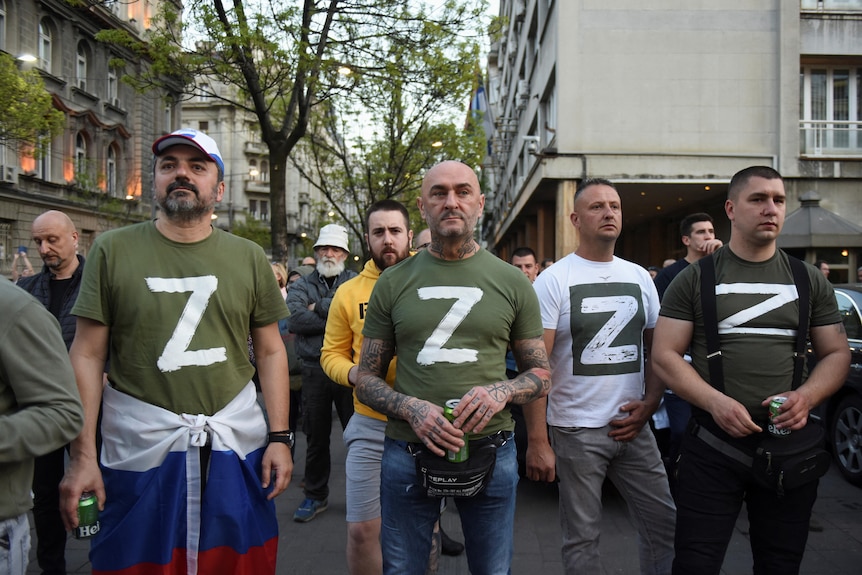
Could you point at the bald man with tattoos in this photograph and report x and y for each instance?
(450, 311)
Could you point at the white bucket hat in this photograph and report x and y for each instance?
(332, 235)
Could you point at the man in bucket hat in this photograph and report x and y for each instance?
(309, 300)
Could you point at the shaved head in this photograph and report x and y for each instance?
(56, 238)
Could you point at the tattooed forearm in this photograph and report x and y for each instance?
(530, 353)
(371, 388)
(530, 385)
(535, 381)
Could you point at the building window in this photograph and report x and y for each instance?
(203, 126)
(43, 163)
(45, 45)
(204, 93)
(831, 111)
(112, 88)
(80, 156)
(111, 173)
(81, 66)
(264, 171)
(252, 208)
(2, 24)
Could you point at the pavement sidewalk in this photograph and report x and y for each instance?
(317, 547)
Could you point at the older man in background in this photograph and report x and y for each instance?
(309, 300)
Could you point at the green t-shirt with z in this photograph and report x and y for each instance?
(758, 313)
(179, 313)
(451, 322)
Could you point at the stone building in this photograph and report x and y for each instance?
(99, 169)
(669, 99)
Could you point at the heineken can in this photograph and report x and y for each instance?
(88, 516)
(774, 406)
(464, 453)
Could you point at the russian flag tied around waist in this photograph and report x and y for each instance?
(155, 521)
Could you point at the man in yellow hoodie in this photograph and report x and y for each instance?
(389, 239)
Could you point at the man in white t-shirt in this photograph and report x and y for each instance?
(598, 313)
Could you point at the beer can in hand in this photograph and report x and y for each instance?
(774, 407)
(464, 453)
(88, 516)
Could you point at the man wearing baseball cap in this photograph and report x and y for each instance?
(309, 300)
(188, 467)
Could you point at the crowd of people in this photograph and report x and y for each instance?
(162, 374)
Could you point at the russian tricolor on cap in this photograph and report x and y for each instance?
(187, 136)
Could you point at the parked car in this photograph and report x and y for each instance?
(842, 413)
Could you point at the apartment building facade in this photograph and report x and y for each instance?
(99, 169)
(669, 99)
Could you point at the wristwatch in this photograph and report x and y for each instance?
(287, 436)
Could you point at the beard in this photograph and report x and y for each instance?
(329, 267)
(186, 208)
(382, 262)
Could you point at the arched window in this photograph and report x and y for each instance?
(81, 66)
(264, 171)
(111, 173)
(80, 155)
(253, 172)
(46, 44)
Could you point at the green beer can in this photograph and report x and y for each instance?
(88, 516)
(464, 453)
(774, 407)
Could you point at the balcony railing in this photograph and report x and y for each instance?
(830, 138)
(832, 5)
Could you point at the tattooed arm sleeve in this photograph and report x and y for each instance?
(371, 388)
(535, 379)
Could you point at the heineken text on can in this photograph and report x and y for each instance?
(88, 516)
(774, 406)
(464, 453)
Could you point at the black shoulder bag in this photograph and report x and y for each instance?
(443, 478)
(779, 463)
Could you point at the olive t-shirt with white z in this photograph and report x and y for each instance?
(758, 313)
(179, 313)
(451, 322)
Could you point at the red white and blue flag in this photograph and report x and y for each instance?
(155, 521)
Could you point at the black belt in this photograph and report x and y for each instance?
(719, 444)
(498, 439)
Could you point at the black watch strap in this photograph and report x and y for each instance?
(287, 436)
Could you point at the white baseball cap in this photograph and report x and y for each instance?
(332, 235)
(188, 136)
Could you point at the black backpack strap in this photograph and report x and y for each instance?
(710, 322)
(803, 290)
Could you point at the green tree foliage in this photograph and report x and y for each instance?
(286, 62)
(402, 101)
(27, 112)
(255, 231)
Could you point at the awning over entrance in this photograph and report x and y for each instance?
(814, 227)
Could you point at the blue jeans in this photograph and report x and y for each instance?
(487, 519)
(585, 456)
(14, 545)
